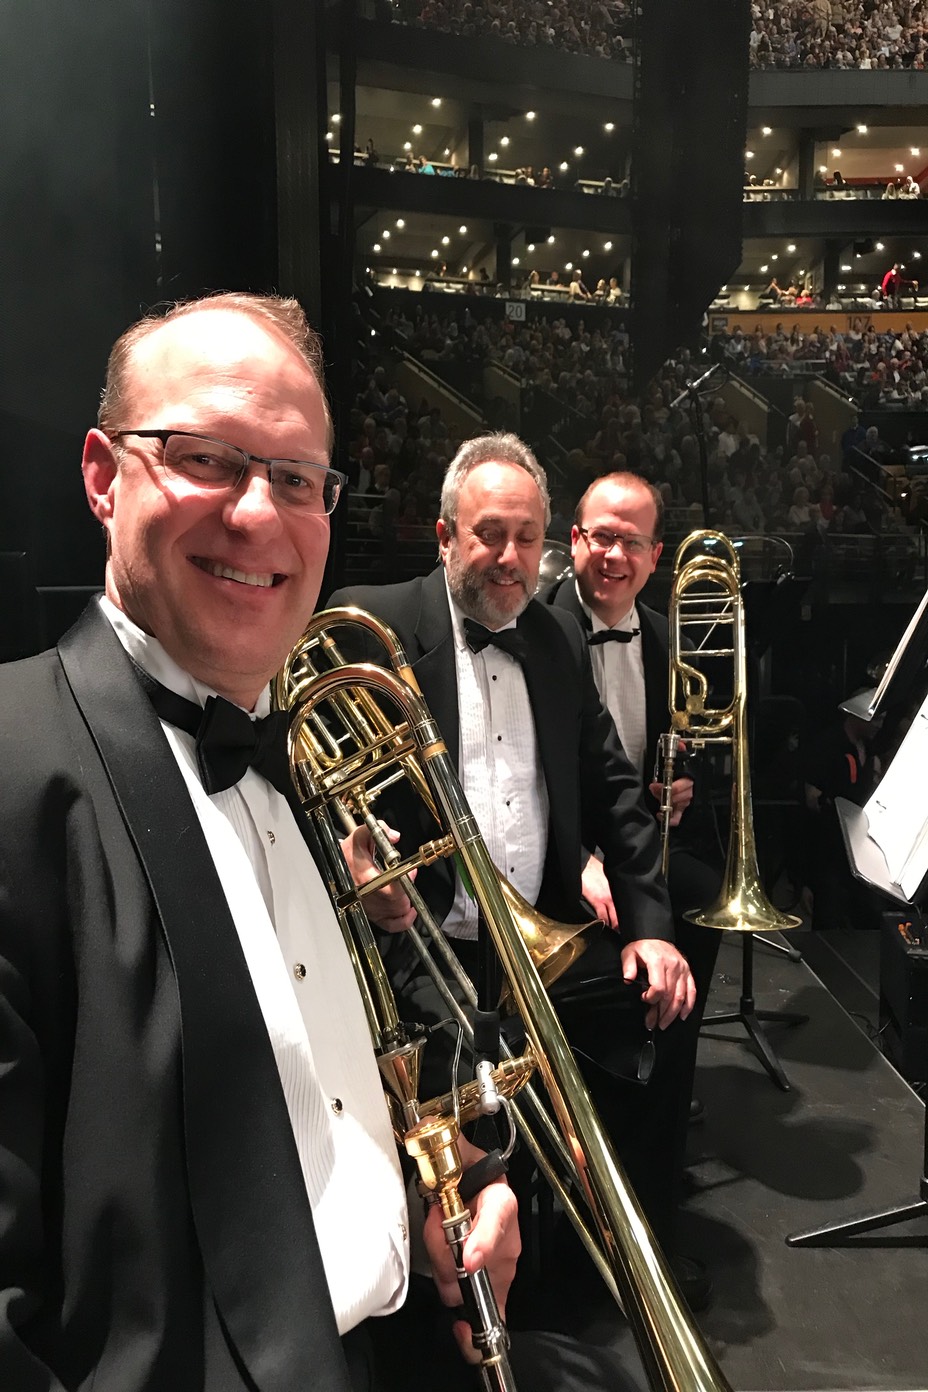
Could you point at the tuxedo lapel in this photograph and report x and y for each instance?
(435, 667)
(654, 659)
(543, 672)
(258, 1244)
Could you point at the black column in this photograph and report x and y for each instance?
(502, 231)
(475, 132)
(805, 175)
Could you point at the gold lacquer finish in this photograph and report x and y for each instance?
(585, 1171)
(706, 596)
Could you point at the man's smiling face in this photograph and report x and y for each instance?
(610, 580)
(226, 581)
(492, 556)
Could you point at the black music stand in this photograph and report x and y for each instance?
(869, 865)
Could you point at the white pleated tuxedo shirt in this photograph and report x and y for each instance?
(618, 669)
(500, 769)
(307, 993)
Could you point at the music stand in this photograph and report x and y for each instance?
(868, 864)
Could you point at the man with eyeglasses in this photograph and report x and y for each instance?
(616, 544)
(199, 1185)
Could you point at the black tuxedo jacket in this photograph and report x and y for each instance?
(154, 1227)
(655, 650)
(594, 794)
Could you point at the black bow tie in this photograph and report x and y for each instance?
(510, 640)
(612, 635)
(229, 742)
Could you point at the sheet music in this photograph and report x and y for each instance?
(896, 810)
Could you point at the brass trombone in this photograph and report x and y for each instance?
(705, 595)
(342, 773)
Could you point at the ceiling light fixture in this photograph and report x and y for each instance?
(436, 101)
(791, 246)
(462, 229)
(335, 118)
(445, 240)
(530, 247)
(504, 140)
(563, 166)
(529, 115)
(417, 129)
(861, 130)
(492, 156)
(880, 246)
(400, 222)
(607, 246)
(766, 130)
(376, 246)
(609, 127)
(578, 150)
(551, 240)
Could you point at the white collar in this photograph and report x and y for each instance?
(624, 625)
(149, 654)
(458, 616)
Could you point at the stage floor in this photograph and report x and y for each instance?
(847, 1139)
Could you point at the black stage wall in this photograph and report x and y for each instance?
(149, 152)
(689, 125)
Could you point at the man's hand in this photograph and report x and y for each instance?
(671, 988)
(388, 908)
(681, 795)
(494, 1242)
(596, 891)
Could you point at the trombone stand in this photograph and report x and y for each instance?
(749, 1016)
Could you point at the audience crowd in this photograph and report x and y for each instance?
(576, 390)
(876, 367)
(784, 33)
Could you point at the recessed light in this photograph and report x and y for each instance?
(823, 169)
(385, 234)
(607, 246)
(530, 247)
(764, 268)
(551, 240)
(445, 241)
(914, 150)
(916, 256)
(775, 256)
(609, 127)
(504, 140)
(529, 115)
(417, 129)
(861, 130)
(749, 154)
(492, 156)
(434, 253)
(563, 166)
(328, 135)
(847, 268)
(462, 229)
(791, 246)
(899, 169)
(778, 170)
(585, 252)
(407, 145)
(515, 260)
(436, 101)
(836, 154)
(578, 150)
(335, 118)
(401, 222)
(376, 246)
(880, 246)
(393, 272)
(766, 130)
(447, 152)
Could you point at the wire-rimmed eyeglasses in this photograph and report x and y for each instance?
(215, 464)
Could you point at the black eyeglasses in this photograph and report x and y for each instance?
(214, 464)
(632, 543)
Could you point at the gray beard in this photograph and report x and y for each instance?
(469, 595)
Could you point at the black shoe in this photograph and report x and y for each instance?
(694, 1281)
(697, 1111)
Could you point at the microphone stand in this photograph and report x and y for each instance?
(691, 393)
